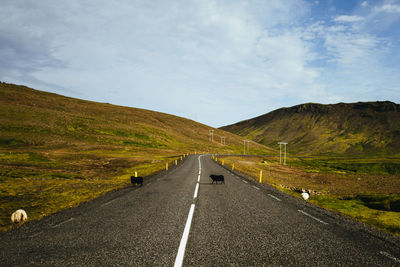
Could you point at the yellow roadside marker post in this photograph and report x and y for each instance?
(222, 162)
(135, 174)
(233, 166)
(166, 166)
(260, 176)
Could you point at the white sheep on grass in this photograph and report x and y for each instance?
(305, 195)
(19, 216)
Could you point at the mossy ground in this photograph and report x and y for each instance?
(44, 183)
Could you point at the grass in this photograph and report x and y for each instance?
(56, 152)
(43, 185)
(376, 211)
(371, 165)
(366, 189)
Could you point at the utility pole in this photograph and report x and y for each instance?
(280, 152)
(244, 146)
(222, 140)
(212, 135)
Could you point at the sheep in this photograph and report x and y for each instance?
(137, 180)
(305, 195)
(19, 216)
(216, 178)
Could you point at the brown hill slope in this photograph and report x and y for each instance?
(32, 119)
(356, 128)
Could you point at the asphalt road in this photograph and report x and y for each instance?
(179, 217)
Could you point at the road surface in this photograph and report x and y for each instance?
(181, 218)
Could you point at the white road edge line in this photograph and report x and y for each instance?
(185, 236)
(315, 218)
(256, 187)
(196, 190)
(61, 223)
(36, 234)
(274, 197)
(198, 178)
(105, 204)
(387, 254)
(244, 181)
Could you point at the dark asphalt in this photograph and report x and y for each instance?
(235, 223)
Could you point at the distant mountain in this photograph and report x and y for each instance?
(356, 128)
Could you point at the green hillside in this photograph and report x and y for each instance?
(364, 128)
(56, 151)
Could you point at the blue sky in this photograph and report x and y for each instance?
(216, 62)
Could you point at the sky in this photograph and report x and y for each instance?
(217, 62)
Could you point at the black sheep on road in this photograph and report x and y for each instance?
(137, 180)
(217, 178)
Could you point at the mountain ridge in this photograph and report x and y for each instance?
(342, 128)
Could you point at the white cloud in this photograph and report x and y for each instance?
(220, 61)
(346, 18)
(353, 49)
(137, 53)
(364, 4)
(391, 8)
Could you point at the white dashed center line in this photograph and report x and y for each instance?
(196, 190)
(185, 236)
